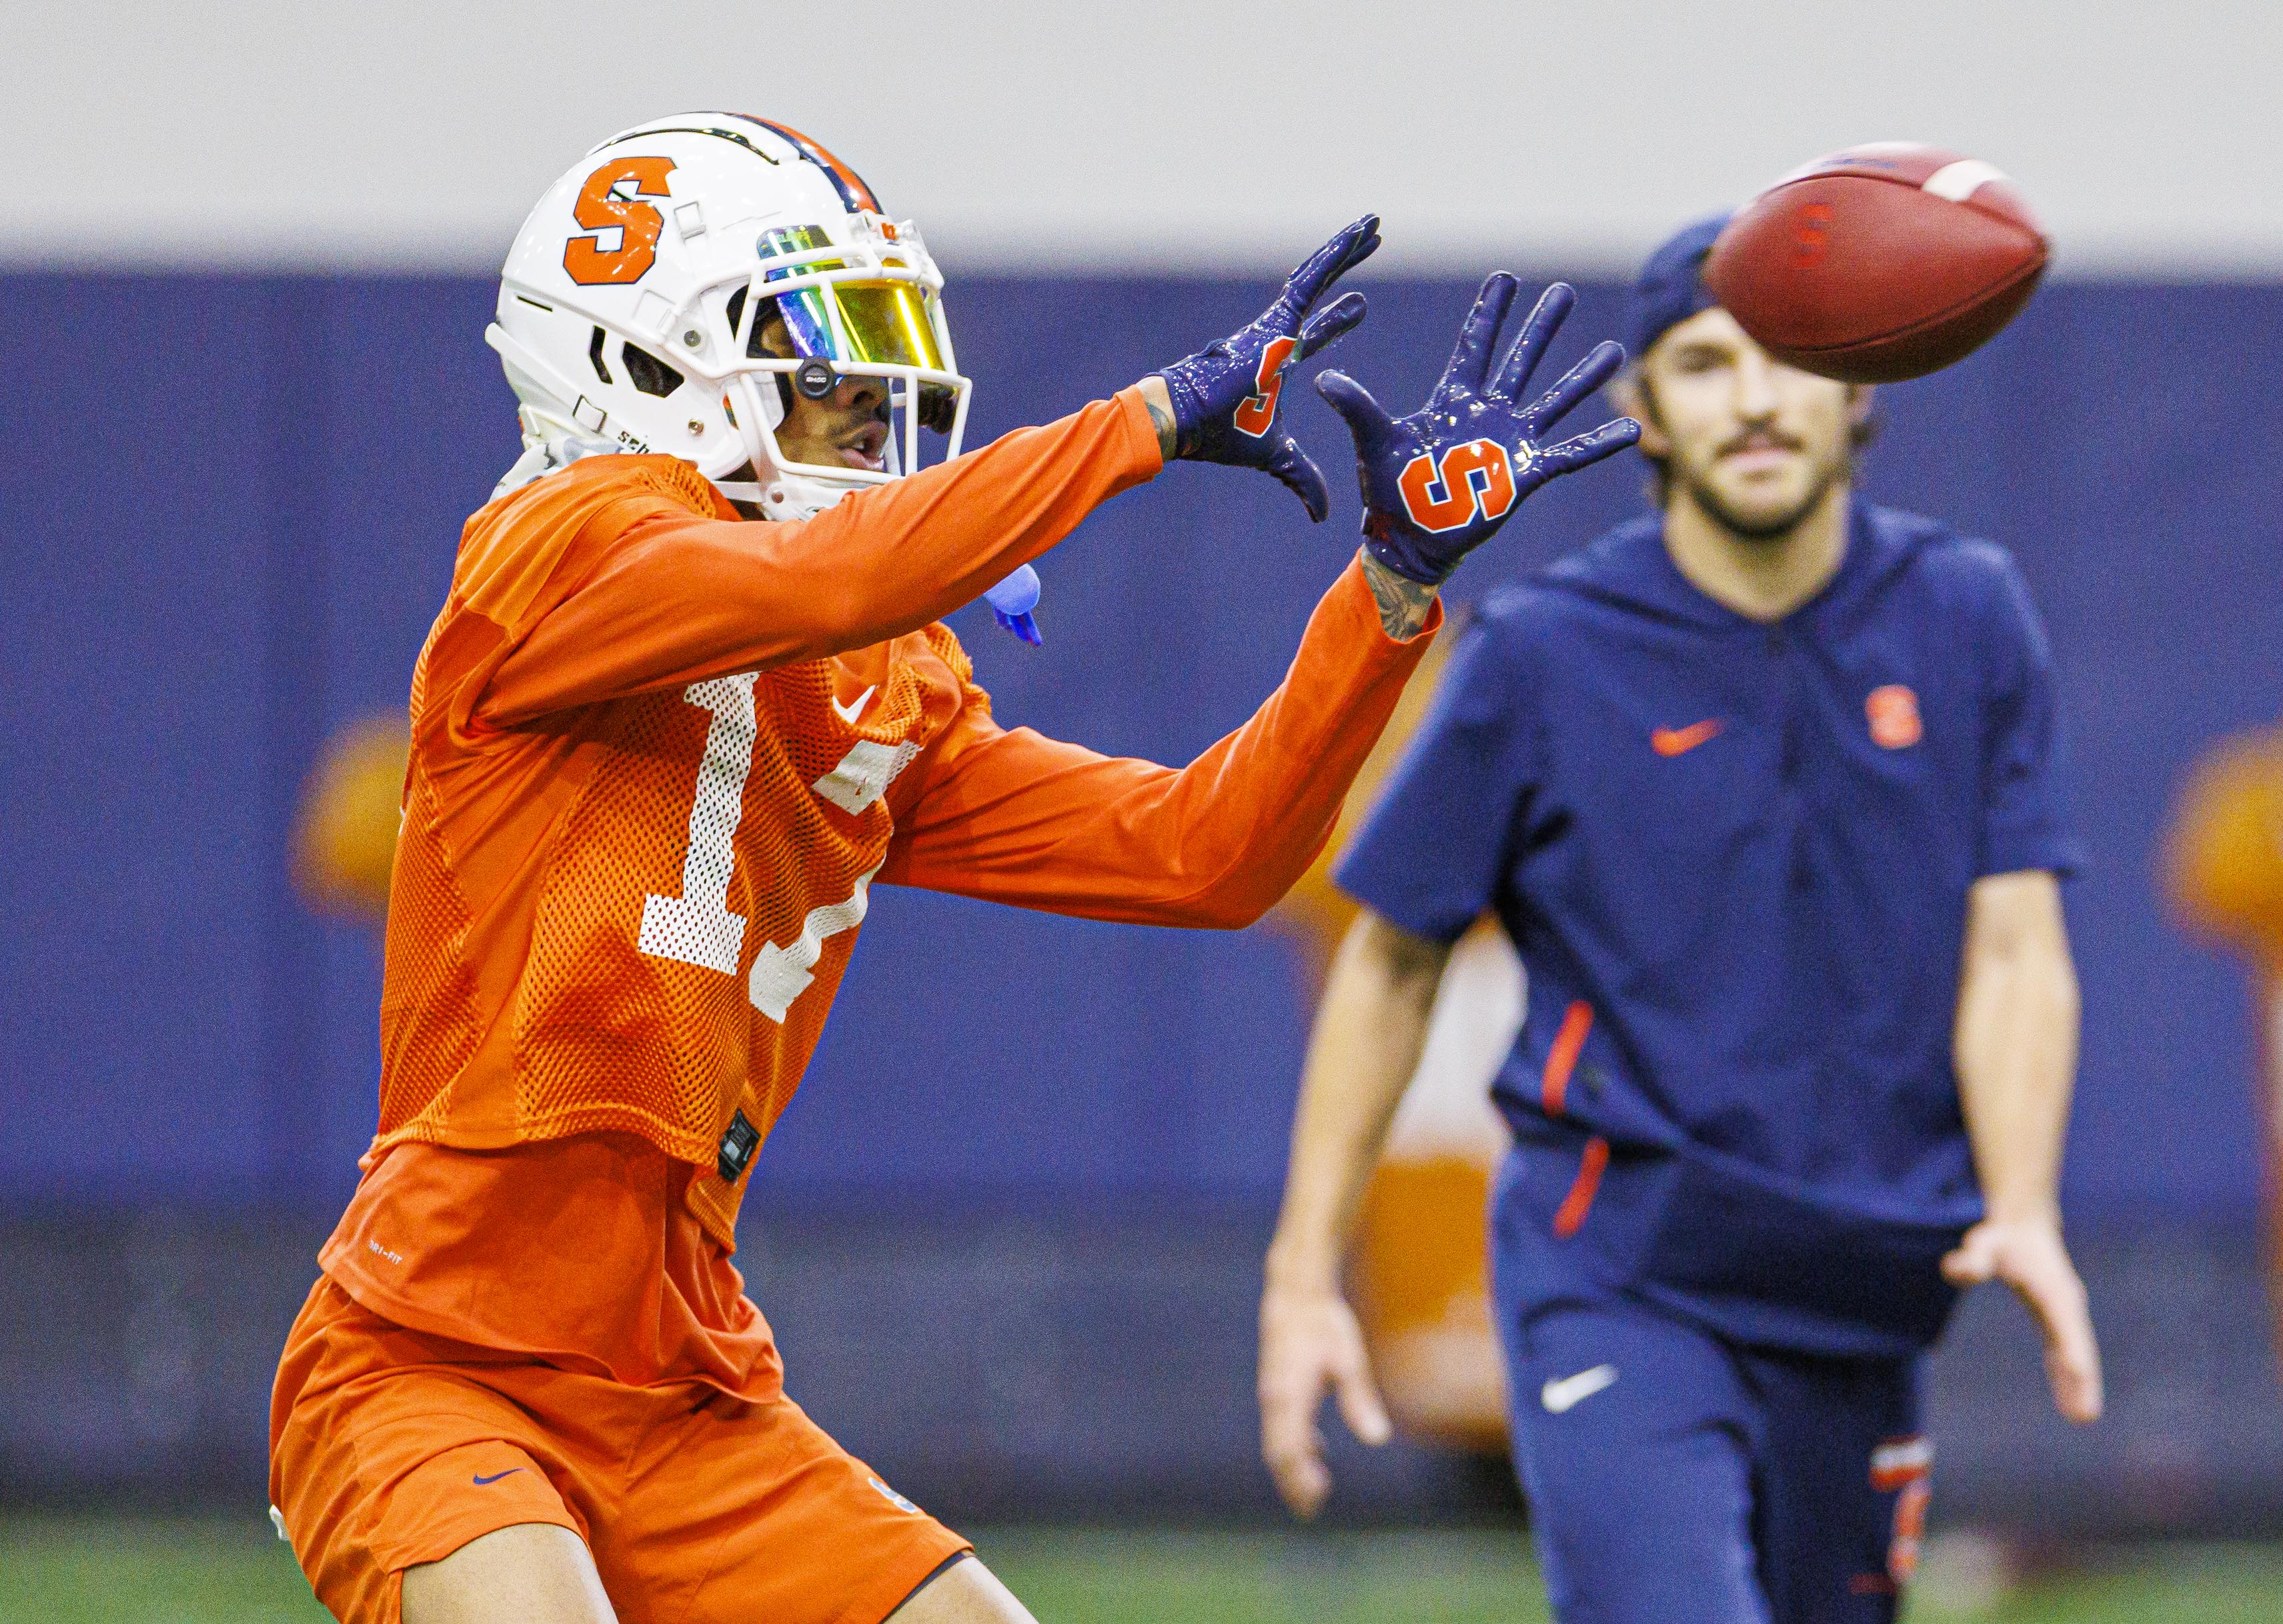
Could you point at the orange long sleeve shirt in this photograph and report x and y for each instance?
(658, 756)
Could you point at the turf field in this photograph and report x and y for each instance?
(90, 1571)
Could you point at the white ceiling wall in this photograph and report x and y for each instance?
(1179, 134)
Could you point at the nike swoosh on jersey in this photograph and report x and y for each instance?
(849, 713)
(497, 1476)
(1679, 741)
(1566, 1393)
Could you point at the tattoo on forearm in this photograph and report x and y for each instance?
(1163, 422)
(1403, 604)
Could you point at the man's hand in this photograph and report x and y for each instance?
(1438, 483)
(1309, 1341)
(2028, 1256)
(2014, 1051)
(1371, 1029)
(1227, 400)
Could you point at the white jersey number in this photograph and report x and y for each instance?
(696, 927)
(782, 974)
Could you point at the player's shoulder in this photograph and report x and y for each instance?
(535, 520)
(1949, 572)
(1945, 553)
(534, 499)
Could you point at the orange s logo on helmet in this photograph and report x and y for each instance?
(1893, 712)
(1474, 478)
(1259, 409)
(600, 209)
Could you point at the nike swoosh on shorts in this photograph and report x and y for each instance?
(1567, 1391)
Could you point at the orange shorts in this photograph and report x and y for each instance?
(389, 1448)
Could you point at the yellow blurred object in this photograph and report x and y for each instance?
(2223, 872)
(1420, 1279)
(344, 839)
(2224, 857)
(1421, 1285)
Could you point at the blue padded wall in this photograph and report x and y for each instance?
(228, 511)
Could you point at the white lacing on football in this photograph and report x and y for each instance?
(1961, 180)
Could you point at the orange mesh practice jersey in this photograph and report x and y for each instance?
(650, 747)
(660, 755)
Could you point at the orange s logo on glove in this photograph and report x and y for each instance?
(1258, 414)
(601, 208)
(1475, 478)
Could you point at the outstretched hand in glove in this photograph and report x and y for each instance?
(1226, 400)
(1437, 484)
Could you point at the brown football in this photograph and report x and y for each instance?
(1879, 263)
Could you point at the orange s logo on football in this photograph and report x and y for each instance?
(602, 209)
(1258, 410)
(1893, 712)
(1474, 478)
(1811, 236)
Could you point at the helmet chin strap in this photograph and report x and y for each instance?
(787, 498)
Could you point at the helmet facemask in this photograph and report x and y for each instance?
(867, 308)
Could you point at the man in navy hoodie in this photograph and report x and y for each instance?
(1765, 788)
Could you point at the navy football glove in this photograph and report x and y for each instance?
(1227, 396)
(1438, 483)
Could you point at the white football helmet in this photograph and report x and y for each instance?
(630, 307)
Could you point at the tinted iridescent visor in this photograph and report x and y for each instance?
(884, 323)
(856, 321)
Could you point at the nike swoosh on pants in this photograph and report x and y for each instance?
(1567, 1391)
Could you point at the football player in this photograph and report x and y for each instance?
(1765, 788)
(659, 755)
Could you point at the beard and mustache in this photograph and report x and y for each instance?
(1761, 525)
